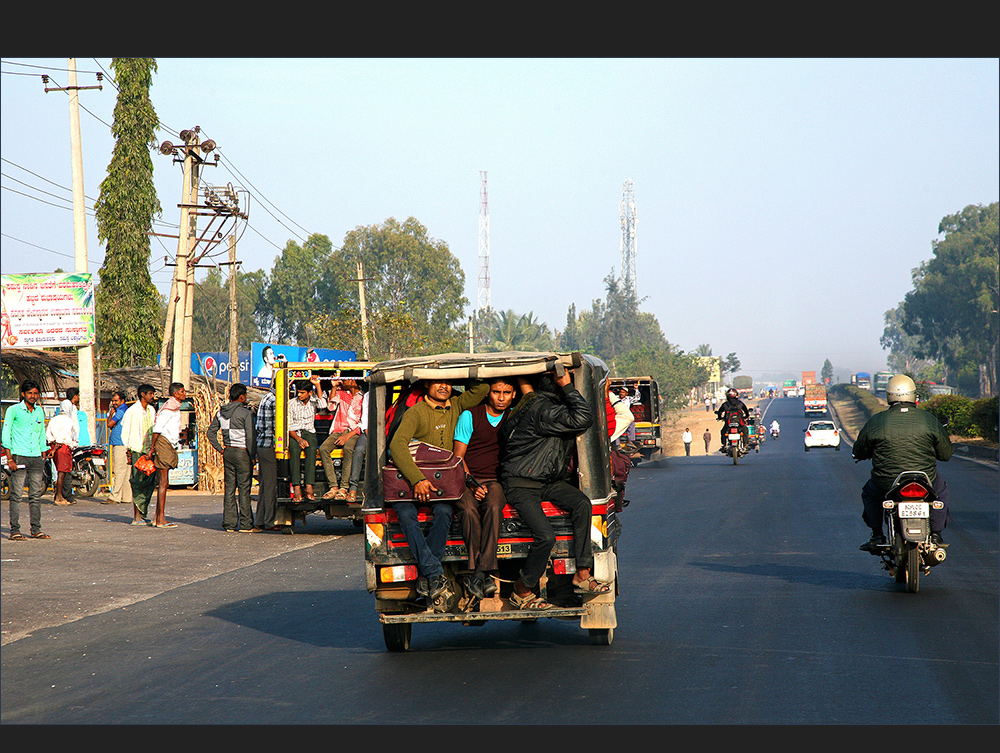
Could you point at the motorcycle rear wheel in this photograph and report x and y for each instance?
(913, 563)
(90, 482)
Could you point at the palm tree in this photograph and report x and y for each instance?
(510, 331)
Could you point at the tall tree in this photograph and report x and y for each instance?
(127, 305)
(414, 289)
(300, 288)
(954, 307)
(827, 371)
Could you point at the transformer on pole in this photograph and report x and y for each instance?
(628, 218)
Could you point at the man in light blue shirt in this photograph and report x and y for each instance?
(25, 451)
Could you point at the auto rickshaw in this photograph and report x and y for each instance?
(289, 510)
(391, 571)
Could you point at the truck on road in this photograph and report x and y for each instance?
(743, 384)
(814, 401)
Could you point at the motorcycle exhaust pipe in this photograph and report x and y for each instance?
(935, 557)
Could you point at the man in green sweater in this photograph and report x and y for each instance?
(901, 438)
(432, 420)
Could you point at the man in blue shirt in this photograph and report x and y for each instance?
(25, 451)
(121, 471)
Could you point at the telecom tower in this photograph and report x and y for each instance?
(627, 212)
(484, 250)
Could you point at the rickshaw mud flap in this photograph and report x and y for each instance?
(511, 614)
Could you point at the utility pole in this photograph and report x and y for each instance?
(628, 245)
(364, 308)
(85, 353)
(181, 294)
(234, 357)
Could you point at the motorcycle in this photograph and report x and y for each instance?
(90, 469)
(735, 446)
(909, 551)
(775, 432)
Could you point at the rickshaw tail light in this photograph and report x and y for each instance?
(397, 573)
(564, 567)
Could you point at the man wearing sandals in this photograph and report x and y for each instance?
(537, 442)
(345, 401)
(238, 449)
(25, 451)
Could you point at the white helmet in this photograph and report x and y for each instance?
(900, 389)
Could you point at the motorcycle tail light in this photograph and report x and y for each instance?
(912, 491)
(97, 451)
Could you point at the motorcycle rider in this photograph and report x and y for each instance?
(901, 438)
(732, 404)
(775, 428)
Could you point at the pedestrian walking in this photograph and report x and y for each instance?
(707, 436)
(26, 451)
(687, 438)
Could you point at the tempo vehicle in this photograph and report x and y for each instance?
(286, 374)
(390, 568)
(646, 409)
(822, 434)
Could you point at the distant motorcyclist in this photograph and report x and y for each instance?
(775, 428)
(732, 405)
(901, 438)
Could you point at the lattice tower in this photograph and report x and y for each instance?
(485, 304)
(628, 218)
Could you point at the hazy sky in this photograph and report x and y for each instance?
(781, 204)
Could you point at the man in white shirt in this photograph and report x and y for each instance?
(165, 441)
(137, 436)
(62, 434)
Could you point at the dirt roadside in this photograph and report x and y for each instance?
(672, 428)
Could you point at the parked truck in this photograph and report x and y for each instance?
(814, 401)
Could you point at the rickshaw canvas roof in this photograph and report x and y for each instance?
(458, 366)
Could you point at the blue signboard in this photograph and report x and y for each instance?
(217, 365)
(263, 356)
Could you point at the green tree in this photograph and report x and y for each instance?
(414, 289)
(676, 373)
(510, 331)
(210, 326)
(954, 308)
(827, 371)
(127, 305)
(301, 287)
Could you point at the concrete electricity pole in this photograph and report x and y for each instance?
(85, 354)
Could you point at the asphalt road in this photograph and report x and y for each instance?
(744, 600)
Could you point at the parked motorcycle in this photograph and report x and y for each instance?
(909, 551)
(90, 469)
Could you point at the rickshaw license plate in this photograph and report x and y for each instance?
(914, 510)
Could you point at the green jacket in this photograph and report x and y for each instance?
(435, 426)
(902, 438)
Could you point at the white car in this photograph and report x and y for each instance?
(822, 434)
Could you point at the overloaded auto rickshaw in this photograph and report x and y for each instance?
(644, 394)
(390, 568)
(286, 375)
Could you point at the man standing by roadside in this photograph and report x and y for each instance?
(432, 420)
(61, 434)
(238, 448)
(121, 491)
(267, 464)
(137, 436)
(165, 441)
(537, 443)
(25, 451)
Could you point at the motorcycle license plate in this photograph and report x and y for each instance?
(914, 510)
(734, 437)
(98, 461)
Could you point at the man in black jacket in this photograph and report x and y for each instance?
(239, 449)
(733, 404)
(536, 443)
